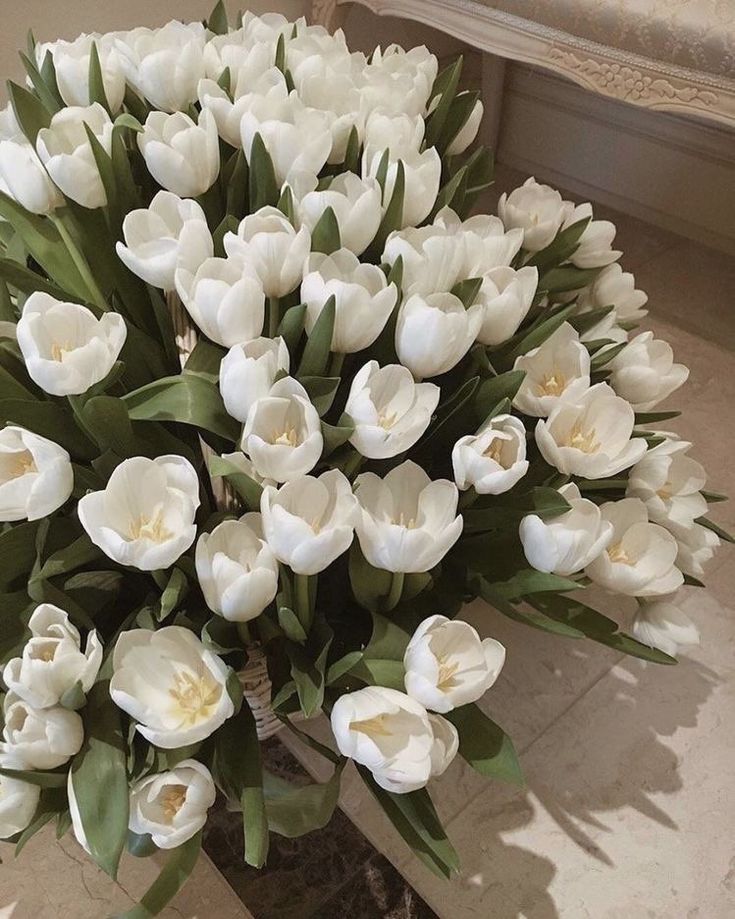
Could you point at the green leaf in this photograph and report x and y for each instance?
(604, 357)
(530, 617)
(238, 771)
(369, 585)
(467, 290)
(36, 777)
(188, 399)
(583, 322)
(78, 553)
(529, 581)
(342, 666)
(49, 419)
(293, 812)
(336, 435)
(485, 745)
(262, 178)
(96, 83)
(106, 419)
(221, 636)
(44, 83)
(30, 112)
(173, 876)
(325, 236)
(322, 391)
(559, 280)
(174, 592)
(205, 359)
(393, 216)
(715, 528)
(237, 187)
(17, 551)
(228, 224)
(653, 417)
(352, 151)
(248, 489)
(540, 331)
(217, 21)
(289, 622)
(564, 244)
(494, 390)
(319, 344)
(459, 113)
(74, 698)
(292, 326)
(436, 121)
(308, 666)
(27, 281)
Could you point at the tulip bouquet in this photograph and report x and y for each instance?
(271, 400)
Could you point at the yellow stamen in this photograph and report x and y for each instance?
(553, 384)
(287, 438)
(59, 352)
(618, 554)
(172, 800)
(387, 421)
(22, 464)
(371, 727)
(150, 528)
(586, 441)
(446, 674)
(195, 696)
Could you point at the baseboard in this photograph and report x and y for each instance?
(671, 171)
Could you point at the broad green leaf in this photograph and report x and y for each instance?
(564, 244)
(321, 390)
(527, 616)
(248, 489)
(716, 529)
(237, 187)
(96, 83)
(36, 777)
(27, 281)
(292, 327)
(495, 389)
(583, 322)
(369, 585)
(529, 581)
(559, 280)
(262, 177)
(46, 89)
(393, 216)
(74, 698)
(450, 421)
(436, 121)
(540, 331)
(459, 113)
(30, 112)
(176, 589)
(467, 290)
(205, 359)
(17, 551)
(174, 874)
(325, 236)
(319, 344)
(188, 399)
(485, 746)
(352, 151)
(336, 435)
(217, 21)
(289, 622)
(308, 666)
(295, 811)
(78, 553)
(106, 419)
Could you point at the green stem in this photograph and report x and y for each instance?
(395, 592)
(243, 630)
(335, 364)
(353, 464)
(467, 498)
(274, 316)
(81, 263)
(303, 602)
(161, 578)
(211, 204)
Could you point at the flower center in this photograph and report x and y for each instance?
(172, 800)
(195, 697)
(43, 651)
(386, 421)
(401, 521)
(288, 438)
(371, 727)
(553, 384)
(618, 554)
(151, 528)
(59, 352)
(586, 441)
(446, 674)
(21, 464)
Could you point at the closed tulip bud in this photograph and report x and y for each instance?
(468, 132)
(434, 333)
(590, 436)
(484, 241)
(248, 371)
(283, 434)
(52, 661)
(309, 522)
(569, 542)
(18, 799)
(669, 483)
(640, 559)
(661, 624)
(164, 65)
(615, 287)
(356, 204)
(557, 370)
(71, 63)
(170, 685)
(696, 545)
(226, 304)
(43, 738)
(400, 81)
(505, 296)
(594, 249)
(422, 177)
(36, 475)
(65, 151)
(493, 460)
(65, 347)
(389, 410)
(21, 172)
(536, 209)
(363, 298)
(171, 232)
(389, 733)
(250, 89)
(181, 155)
(407, 522)
(399, 133)
(236, 569)
(144, 517)
(433, 258)
(172, 806)
(272, 249)
(644, 372)
(448, 665)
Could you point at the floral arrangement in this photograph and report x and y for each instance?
(271, 401)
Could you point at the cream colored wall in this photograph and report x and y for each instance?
(52, 19)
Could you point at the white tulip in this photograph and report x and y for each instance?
(434, 333)
(363, 298)
(71, 63)
(64, 149)
(557, 370)
(407, 522)
(18, 799)
(661, 624)
(590, 436)
(269, 245)
(536, 209)
(331, 86)
(297, 138)
(251, 85)
(594, 249)
(669, 483)
(66, 349)
(43, 738)
(615, 287)
(434, 260)
(144, 517)
(164, 65)
(52, 660)
(248, 371)
(399, 133)
(227, 304)
(390, 411)
(569, 542)
(696, 545)
(446, 744)
(468, 132)
(505, 296)
(169, 233)
(644, 372)
(181, 155)
(448, 665)
(171, 685)
(640, 559)
(36, 475)
(400, 81)
(493, 460)
(172, 806)
(309, 522)
(21, 173)
(236, 569)
(484, 240)
(356, 204)
(422, 177)
(389, 733)
(282, 434)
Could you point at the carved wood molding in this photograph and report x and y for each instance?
(618, 74)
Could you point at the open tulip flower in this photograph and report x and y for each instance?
(276, 402)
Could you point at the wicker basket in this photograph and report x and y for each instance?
(256, 684)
